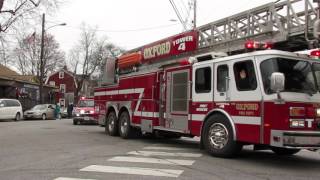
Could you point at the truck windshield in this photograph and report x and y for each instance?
(86, 103)
(298, 75)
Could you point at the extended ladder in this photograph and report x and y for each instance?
(287, 24)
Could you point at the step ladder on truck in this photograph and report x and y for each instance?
(232, 82)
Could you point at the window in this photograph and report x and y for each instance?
(86, 103)
(298, 75)
(61, 75)
(62, 103)
(203, 80)
(222, 75)
(2, 103)
(52, 83)
(62, 88)
(12, 103)
(245, 76)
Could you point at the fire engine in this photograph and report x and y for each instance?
(212, 82)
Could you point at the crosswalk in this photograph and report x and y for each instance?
(155, 160)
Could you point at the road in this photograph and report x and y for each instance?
(58, 150)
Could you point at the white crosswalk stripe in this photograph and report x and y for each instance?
(134, 170)
(158, 153)
(66, 178)
(163, 148)
(152, 160)
(155, 154)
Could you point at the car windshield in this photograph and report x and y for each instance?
(298, 75)
(39, 107)
(86, 103)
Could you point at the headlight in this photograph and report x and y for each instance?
(81, 111)
(297, 123)
(91, 112)
(77, 114)
(318, 112)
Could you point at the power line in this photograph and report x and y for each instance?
(127, 30)
(178, 14)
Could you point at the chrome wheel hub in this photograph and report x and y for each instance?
(218, 136)
(111, 124)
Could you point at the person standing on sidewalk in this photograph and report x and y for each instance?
(57, 111)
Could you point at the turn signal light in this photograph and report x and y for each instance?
(297, 111)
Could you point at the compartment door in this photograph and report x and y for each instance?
(177, 99)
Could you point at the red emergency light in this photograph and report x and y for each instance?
(253, 45)
(315, 53)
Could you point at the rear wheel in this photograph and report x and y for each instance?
(218, 137)
(125, 129)
(111, 125)
(18, 117)
(284, 151)
(44, 116)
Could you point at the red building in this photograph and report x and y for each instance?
(66, 82)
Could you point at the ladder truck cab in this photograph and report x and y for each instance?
(267, 98)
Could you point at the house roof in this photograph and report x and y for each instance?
(7, 72)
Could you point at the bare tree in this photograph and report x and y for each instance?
(12, 11)
(88, 56)
(27, 54)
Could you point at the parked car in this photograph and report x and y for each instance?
(84, 112)
(40, 111)
(10, 109)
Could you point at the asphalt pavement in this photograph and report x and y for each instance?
(58, 150)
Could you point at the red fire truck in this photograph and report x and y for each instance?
(267, 98)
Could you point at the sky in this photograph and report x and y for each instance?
(130, 24)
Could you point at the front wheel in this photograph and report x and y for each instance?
(284, 151)
(111, 125)
(18, 117)
(218, 137)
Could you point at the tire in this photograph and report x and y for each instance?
(218, 137)
(18, 117)
(125, 129)
(284, 151)
(111, 125)
(44, 117)
(75, 122)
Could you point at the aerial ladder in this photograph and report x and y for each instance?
(288, 24)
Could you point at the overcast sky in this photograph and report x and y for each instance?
(131, 24)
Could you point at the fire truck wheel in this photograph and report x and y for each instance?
(111, 127)
(284, 151)
(218, 137)
(125, 129)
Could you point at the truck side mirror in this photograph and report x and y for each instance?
(277, 83)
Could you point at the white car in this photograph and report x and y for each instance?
(10, 109)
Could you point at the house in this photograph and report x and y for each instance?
(65, 81)
(23, 88)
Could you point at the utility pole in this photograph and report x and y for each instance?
(41, 58)
(195, 14)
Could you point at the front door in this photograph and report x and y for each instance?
(177, 99)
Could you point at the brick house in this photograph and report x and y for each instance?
(66, 82)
